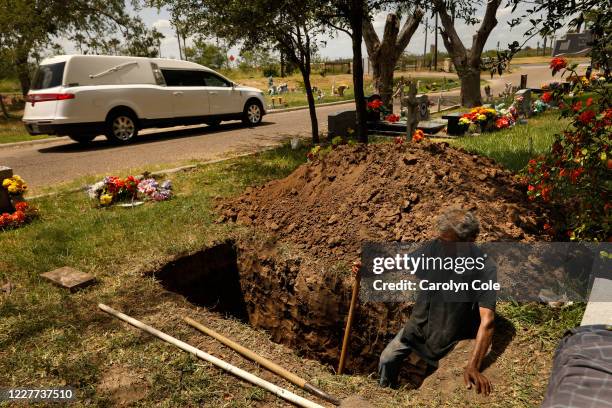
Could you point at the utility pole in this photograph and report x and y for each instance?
(436, 45)
(425, 47)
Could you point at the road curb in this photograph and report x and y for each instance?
(34, 142)
(319, 105)
(159, 172)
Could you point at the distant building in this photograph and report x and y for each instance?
(572, 44)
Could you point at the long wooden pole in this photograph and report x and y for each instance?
(245, 375)
(349, 323)
(264, 362)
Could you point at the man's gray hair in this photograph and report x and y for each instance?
(462, 222)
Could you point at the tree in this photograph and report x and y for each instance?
(290, 26)
(384, 55)
(206, 54)
(348, 16)
(28, 27)
(467, 61)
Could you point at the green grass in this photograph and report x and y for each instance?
(511, 147)
(9, 86)
(51, 337)
(13, 131)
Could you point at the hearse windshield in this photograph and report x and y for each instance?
(48, 76)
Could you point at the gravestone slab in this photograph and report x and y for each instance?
(5, 202)
(453, 127)
(339, 123)
(69, 278)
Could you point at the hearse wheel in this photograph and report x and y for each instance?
(121, 127)
(82, 139)
(252, 113)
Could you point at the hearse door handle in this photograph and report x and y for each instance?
(177, 93)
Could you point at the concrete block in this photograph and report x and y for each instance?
(69, 278)
(599, 307)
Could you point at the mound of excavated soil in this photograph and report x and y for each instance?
(324, 210)
(384, 192)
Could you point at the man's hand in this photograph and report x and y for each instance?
(473, 377)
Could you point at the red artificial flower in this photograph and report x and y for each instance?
(546, 97)
(586, 117)
(546, 193)
(577, 106)
(530, 188)
(418, 135)
(375, 104)
(399, 140)
(18, 217)
(589, 101)
(392, 118)
(558, 64)
(502, 123)
(21, 206)
(609, 164)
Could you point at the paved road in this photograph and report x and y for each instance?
(64, 160)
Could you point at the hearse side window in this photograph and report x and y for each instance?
(214, 80)
(183, 77)
(48, 76)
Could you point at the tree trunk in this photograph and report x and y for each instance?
(470, 87)
(386, 80)
(23, 73)
(314, 123)
(357, 15)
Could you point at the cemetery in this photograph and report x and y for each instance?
(156, 275)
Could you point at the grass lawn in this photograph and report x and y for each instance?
(13, 131)
(50, 337)
(510, 147)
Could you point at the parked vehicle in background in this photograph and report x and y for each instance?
(83, 96)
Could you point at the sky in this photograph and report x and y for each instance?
(339, 46)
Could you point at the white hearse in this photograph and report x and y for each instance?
(83, 96)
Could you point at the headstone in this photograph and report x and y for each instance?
(524, 106)
(69, 278)
(339, 123)
(5, 200)
(423, 107)
(523, 81)
(453, 128)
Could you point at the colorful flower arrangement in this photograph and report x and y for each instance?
(490, 118)
(113, 190)
(23, 211)
(376, 110)
(15, 185)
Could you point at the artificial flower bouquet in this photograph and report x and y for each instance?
(21, 212)
(376, 110)
(113, 190)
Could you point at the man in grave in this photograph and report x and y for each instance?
(439, 320)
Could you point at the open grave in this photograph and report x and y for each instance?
(290, 274)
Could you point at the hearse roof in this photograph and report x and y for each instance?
(161, 62)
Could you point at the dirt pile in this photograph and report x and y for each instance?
(295, 281)
(384, 192)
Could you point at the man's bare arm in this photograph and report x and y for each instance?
(471, 374)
